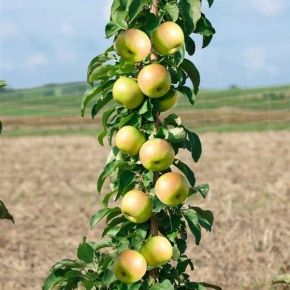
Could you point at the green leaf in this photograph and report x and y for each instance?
(195, 145)
(204, 27)
(179, 56)
(171, 11)
(4, 213)
(111, 29)
(147, 111)
(101, 103)
(164, 285)
(108, 170)
(203, 189)
(192, 220)
(186, 171)
(205, 218)
(108, 277)
(210, 2)
(94, 92)
(53, 279)
(104, 71)
(136, 7)
(183, 264)
(85, 252)
(173, 120)
(99, 60)
(126, 181)
(121, 19)
(193, 74)
(176, 254)
(99, 215)
(68, 263)
(191, 13)
(176, 134)
(189, 45)
(101, 245)
(103, 133)
(187, 92)
(149, 23)
(107, 198)
(206, 41)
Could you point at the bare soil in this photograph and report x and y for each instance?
(49, 185)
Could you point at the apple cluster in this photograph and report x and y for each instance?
(155, 154)
(154, 80)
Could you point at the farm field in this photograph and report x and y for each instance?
(54, 110)
(49, 184)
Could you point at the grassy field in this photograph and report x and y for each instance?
(54, 109)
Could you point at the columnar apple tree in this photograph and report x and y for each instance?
(147, 192)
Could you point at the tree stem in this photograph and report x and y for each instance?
(153, 221)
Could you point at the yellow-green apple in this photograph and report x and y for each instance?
(130, 266)
(168, 38)
(133, 45)
(136, 206)
(154, 80)
(157, 251)
(167, 102)
(127, 92)
(172, 188)
(156, 154)
(129, 140)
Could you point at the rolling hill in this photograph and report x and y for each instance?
(55, 109)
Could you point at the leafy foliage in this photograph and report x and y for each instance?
(93, 268)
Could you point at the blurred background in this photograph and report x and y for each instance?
(50, 158)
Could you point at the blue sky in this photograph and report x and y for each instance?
(53, 41)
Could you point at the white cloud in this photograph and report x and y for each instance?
(9, 30)
(7, 66)
(67, 29)
(255, 58)
(66, 56)
(269, 7)
(36, 60)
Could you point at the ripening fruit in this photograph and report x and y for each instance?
(156, 154)
(154, 80)
(172, 188)
(167, 102)
(168, 38)
(133, 45)
(129, 140)
(157, 251)
(127, 92)
(130, 266)
(136, 206)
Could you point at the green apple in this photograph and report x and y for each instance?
(156, 154)
(130, 266)
(129, 140)
(133, 45)
(127, 92)
(154, 80)
(168, 38)
(172, 188)
(157, 251)
(168, 101)
(136, 206)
